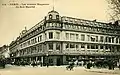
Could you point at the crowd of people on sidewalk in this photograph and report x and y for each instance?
(24, 63)
(73, 63)
(111, 65)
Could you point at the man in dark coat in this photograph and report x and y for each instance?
(2, 63)
(47, 64)
(33, 63)
(89, 65)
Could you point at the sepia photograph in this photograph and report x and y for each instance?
(59, 37)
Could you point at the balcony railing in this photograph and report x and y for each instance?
(89, 52)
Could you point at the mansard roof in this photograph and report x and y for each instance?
(93, 23)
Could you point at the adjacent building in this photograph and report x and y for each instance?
(4, 51)
(58, 39)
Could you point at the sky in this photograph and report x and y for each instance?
(13, 20)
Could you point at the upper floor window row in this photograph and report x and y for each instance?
(58, 25)
(92, 38)
(54, 35)
(71, 36)
(32, 41)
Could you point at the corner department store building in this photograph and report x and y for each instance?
(58, 39)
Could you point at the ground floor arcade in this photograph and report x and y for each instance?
(65, 59)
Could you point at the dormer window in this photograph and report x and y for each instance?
(50, 16)
(57, 16)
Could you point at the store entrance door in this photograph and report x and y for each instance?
(58, 62)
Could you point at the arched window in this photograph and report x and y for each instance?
(50, 16)
(57, 16)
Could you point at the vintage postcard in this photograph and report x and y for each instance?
(59, 37)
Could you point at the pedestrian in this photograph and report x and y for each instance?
(38, 62)
(72, 65)
(41, 63)
(113, 65)
(33, 63)
(47, 64)
(110, 65)
(88, 65)
(76, 63)
(119, 66)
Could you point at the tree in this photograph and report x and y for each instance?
(114, 5)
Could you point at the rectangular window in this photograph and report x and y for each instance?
(96, 46)
(109, 39)
(28, 42)
(40, 37)
(39, 48)
(101, 38)
(82, 46)
(93, 46)
(47, 24)
(50, 35)
(67, 45)
(57, 35)
(67, 36)
(32, 41)
(88, 37)
(72, 36)
(57, 46)
(92, 38)
(96, 38)
(112, 39)
(82, 37)
(101, 47)
(77, 46)
(53, 24)
(50, 46)
(106, 39)
(106, 47)
(58, 25)
(88, 46)
(72, 45)
(77, 36)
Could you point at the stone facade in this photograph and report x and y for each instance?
(59, 39)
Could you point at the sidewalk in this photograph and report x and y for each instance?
(96, 70)
(103, 70)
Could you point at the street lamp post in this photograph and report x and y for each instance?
(47, 60)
